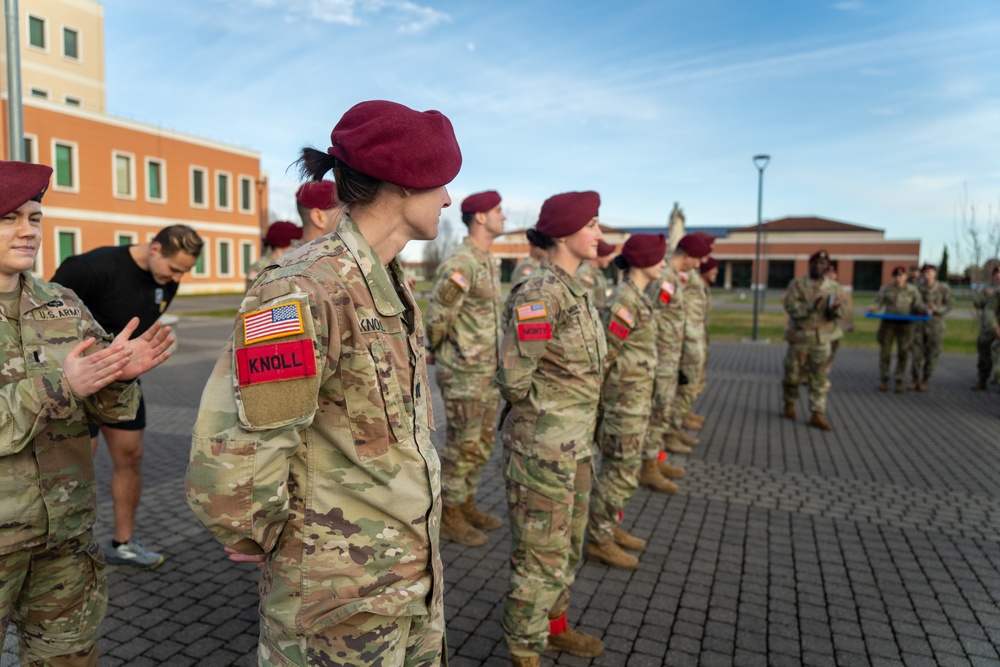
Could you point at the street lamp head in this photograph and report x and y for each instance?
(760, 161)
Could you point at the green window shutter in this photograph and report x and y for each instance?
(64, 165)
(67, 245)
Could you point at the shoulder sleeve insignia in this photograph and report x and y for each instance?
(684, 277)
(589, 279)
(626, 316)
(527, 271)
(276, 322)
(534, 331)
(530, 311)
(618, 330)
(666, 291)
(275, 362)
(460, 280)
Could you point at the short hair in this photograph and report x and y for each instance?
(468, 217)
(179, 238)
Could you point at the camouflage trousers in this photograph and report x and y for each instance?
(661, 419)
(547, 503)
(902, 334)
(986, 346)
(57, 598)
(615, 484)
(361, 639)
(692, 366)
(815, 360)
(927, 340)
(469, 437)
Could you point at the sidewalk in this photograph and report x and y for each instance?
(877, 544)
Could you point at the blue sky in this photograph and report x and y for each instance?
(878, 113)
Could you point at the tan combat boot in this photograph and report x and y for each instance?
(650, 477)
(690, 423)
(699, 418)
(686, 439)
(883, 386)
(923, 387)
(478, 518)
(611, 554)
(455, 528)
(572, 641)
(667, 470)
(790, 411)
(899, 388)
(818, 420)
(524, 660)
(673, 444)
(912, 386)
(626, 540)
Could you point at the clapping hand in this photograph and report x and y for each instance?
(148, 350)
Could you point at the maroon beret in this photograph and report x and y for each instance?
(899, 270)
(709, 264)
(996, 270)
(643, 250)
(281, 234)
(317, 194)
(705, 235)
(481, 202)
(927, 266)
(819, 254)
(21, 182)
(394, 143)
(604, 249)
(695, 245)
(567, 213)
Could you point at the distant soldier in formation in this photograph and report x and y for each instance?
(278, 239)
(897, 298)
(628, 388)
(319, 210)
(814, 307)
(528, 265)
(551, 363)
(987, 304)
(694, 347)
(591, 274)
(709, 274)
(928, 336)
(463, 329)
(667, 296)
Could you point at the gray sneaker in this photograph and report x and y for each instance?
(132, 553)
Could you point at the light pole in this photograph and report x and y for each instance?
(759, 161)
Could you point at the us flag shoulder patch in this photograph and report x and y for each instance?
(666, 291)
(460, 280)
(626, 316)
(530, 311)
(276, 322)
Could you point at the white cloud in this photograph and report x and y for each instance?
(409, 17)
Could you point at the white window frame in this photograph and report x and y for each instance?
(239, 192)
(115, 154)
(163, 180)
(253, 258)
(150, 236)
(45, 32)
(77, 240)
(206, 190)
(229, 189)
(33, 158)
(207, 269)
(33, 89)
(133, 237)
(231, 273)
(79, 44)
(73, 101)
(76, 166)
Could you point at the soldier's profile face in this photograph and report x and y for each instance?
(20, 237)
(583, 242)
(422, 212)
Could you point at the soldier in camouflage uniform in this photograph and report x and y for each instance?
(928, 336)
(528, 265)
(312, 453)
(667, 296)
(279, 238)
(628, 389)
(463, 329)
(709, 274)
(591, 274)
(986, 301)
(814, 307)
(60, 369)
(897, 298)
(693, 351)
(550, 373)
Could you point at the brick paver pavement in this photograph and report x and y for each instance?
(876, 544)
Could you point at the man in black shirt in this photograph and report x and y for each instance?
(117, 283)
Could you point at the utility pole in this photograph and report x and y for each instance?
(15, 113)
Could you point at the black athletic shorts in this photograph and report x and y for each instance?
(136, 424)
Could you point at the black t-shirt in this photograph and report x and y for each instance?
(114, 288)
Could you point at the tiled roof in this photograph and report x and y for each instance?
(807, 224)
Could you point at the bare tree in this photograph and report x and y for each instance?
(437, 251)
(976, 241)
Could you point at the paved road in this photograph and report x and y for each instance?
(878, 544)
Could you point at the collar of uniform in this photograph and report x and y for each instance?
(571, 282)
(36, 293)
(640, 294)
(387, 301)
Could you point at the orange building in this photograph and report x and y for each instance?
(116, 181)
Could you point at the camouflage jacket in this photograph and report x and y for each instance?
(46, 461)
(695, 308)
(806, 322)
(905, 300)
(939, 299)
(312, 441)
(987, 302)
(551, 361)
(667, 296)
(463, 315)
(594, 281)
(524, 269)
(631, 362)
